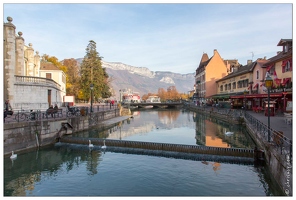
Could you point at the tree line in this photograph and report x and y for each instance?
(170, 94)
(80, 77)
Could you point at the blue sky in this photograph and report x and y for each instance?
(162, 37)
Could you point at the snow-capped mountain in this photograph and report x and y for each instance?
(144, 81)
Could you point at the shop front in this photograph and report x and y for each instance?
(256, 102)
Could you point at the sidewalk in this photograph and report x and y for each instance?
(277, 123)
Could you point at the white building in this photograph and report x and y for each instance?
(23, 81)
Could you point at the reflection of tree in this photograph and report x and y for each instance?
(26, 182)
(93, 162)
(26, 171)
(168, 116)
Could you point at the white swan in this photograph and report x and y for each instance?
(104, 147)
(228, 133)
(90, 145)
(13, 156)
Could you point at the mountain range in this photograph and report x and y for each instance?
(144, 81)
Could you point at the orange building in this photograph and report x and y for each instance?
(208, 72)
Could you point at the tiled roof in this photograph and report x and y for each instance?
(241, 70)
(281, 56)
(282, 42)
(231, 62)
(48, 66)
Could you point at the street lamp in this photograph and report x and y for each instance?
(268, 84)
(91, 97)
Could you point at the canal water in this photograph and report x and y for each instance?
(74, 170)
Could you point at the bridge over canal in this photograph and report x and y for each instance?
(155, 105)
(232, 155)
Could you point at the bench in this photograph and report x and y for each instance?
(58, 113)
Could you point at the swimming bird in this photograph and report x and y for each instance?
(228, 133)
(13, 156)
(90, 145)
(104, 147)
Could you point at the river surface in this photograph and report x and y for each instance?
(74, 170)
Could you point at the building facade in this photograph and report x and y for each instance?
(208, 72)
(22, 83)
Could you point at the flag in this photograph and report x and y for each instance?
(274, 75)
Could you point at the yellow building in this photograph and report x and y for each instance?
(280, 69)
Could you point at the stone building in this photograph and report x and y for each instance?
(22, 83)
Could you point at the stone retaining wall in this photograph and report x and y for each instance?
(28, 135)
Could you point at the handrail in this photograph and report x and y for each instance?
(35, 80)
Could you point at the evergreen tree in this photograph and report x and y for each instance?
(92, 72)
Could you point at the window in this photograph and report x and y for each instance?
(63, 79)
(257, 74)
(221, 88)
(225, 86)
(48, 75)
(234, 85)
(229, 86)
(287, 65)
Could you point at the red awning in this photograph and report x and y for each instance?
(249, 87)
(278, 81)
(255, 85)
(286, 80)
(262, 84)
(256, 96)
(269, 67)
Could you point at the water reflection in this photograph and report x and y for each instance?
(175, 126)
(61, 170)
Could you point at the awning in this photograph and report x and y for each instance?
(285, 81)
(278, 81)
(255, 85)
(262, 84)
(256, 96)
(249, 87)
(226, 96)
(269, 67)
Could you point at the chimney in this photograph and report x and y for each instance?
(249, 62)
(215, 51)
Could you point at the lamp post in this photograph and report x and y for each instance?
(268, 84)
(91, 97)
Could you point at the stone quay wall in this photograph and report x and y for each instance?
(28, 135)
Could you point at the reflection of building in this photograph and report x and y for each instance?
(211, 132)
(211, 136)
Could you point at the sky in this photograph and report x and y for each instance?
(167, 36)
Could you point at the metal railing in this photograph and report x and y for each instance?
(24, 115)
(282, 144)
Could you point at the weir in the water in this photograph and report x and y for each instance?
(171, 150)
(168, 154)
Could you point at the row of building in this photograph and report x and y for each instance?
(30, 83)
(218, 80)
